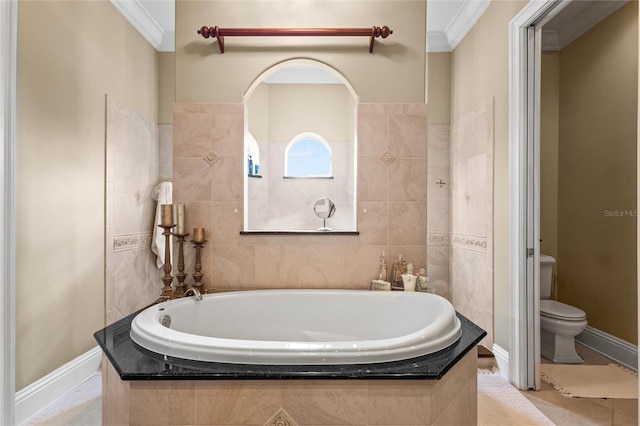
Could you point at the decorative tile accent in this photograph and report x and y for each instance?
(387, 157)
(131, 241)
(281, 418)
(438, 239)
(469, 242)
(212, 157)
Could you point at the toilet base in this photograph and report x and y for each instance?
(559, 349)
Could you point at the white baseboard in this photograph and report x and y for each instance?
(610, 346)
(36, 396)
(502, 359)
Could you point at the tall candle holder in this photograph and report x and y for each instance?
(181, 286)
(167, 290)
(198, 275)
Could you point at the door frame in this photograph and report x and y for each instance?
(8, 129)
(525, 49)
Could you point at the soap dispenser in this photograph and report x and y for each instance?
(250, 165)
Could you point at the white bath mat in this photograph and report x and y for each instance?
(591, 381)
(501, 404)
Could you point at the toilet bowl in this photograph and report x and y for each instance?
(559, 322)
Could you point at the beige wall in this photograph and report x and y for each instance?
(549, 134)
(439, 87)
(480, 71)
(70, 55)
(395, 72)
(166, 86)
(597, 169)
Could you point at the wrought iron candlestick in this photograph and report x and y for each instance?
(167, 290)
(181, 286)
(198, 275)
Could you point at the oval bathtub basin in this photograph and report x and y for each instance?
(299, 327)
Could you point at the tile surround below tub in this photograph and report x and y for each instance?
(396, 401)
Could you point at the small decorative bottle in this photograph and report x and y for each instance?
(400, 267)
(382, 271)
(422, 282)
(250, 165)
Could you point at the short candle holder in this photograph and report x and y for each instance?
(167, 290)
(181, 286)
(198, 275)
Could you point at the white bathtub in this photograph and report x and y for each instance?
(299, 327)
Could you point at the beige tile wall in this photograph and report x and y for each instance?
(472, 217)
(450, 400)
(208, 167)
(135, 165)
(439, 210)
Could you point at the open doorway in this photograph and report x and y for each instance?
(527, 43)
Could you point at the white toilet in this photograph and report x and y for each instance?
(559, 322)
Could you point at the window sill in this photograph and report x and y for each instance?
(307, 177)
(300, 232)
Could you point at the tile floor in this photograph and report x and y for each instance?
(562, 410)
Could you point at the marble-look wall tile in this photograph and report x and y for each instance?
(407, 223)
(236, 402)
(439, 209)
(438, 260)
(372, 134)
(372, 222)
(233, 266)
(408, 135)
(133, 170)
(278, 267)
(391, 187)
(407, 180)
(472, 217)
(358, 274)
(372, 179)
(162, 403)
(326, 402)
(392, 402)
(194, 132)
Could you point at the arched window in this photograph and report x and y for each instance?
(308, 155)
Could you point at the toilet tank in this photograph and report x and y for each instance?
(546, 275)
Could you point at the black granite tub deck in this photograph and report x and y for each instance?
(132, 362)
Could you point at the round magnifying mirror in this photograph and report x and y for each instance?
(324, 209)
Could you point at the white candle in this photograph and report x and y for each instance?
(166, 215)
(180, 215)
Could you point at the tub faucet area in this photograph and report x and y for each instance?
(193, 291)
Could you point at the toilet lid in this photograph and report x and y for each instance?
(555, 309)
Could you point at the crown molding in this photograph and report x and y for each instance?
(437, 41)
(462, 22)
(138, 16)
